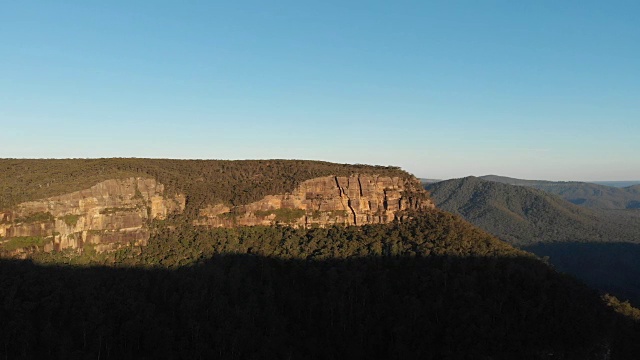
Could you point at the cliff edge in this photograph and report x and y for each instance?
(323, 201)
(105, 216)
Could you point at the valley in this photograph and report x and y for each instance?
(597, 245)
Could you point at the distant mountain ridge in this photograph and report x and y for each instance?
(585, 194)
(618, 184)
(523, 215)
(429, 181)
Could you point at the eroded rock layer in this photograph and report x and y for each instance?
(352, 200)
(103, 217)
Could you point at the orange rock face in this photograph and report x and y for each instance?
(353, 200)
(107, 215)
(115, 213)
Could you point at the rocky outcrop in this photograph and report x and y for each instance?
(352, 200)
(103, 217)
(114, 213)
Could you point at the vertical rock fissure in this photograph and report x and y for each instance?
(360, 186)
(385, 203)
(338, 185)
(344, 194)
(355, 222)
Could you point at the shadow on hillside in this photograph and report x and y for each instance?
(610, 267)
(243, 306)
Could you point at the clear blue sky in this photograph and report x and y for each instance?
(530, 89)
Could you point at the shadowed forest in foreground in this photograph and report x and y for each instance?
(246, 306)
(611, 267)
(430, 287)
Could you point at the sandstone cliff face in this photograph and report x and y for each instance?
(105, 216)
(353, 200)
(114, 213)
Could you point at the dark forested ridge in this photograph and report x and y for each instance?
(432, 287)
(598, 246)
(618, 184)
(612, 267)
(591, 195)
(202, 181)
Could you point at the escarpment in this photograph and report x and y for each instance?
(106, 216)
(118, 212)
(347, 200)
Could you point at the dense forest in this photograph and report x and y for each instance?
(431, 286)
